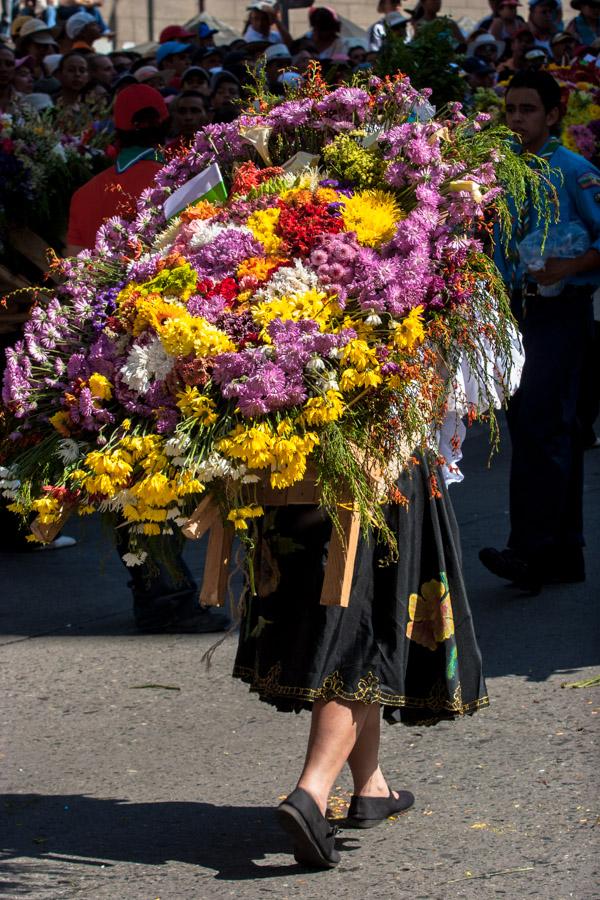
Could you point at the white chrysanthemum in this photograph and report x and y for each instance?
(135, 559)
(328, 382)
(145, 365)
(203, 232)
(296, 279)
(176, 444)
(167, 237)
(69, 450)
(215, 466)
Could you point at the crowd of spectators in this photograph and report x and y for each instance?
(48, 59)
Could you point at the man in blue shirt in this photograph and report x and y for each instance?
(545, 545)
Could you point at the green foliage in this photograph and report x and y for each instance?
(429, 60)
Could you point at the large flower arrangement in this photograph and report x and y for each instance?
(318, 314)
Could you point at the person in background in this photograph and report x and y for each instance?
(301, 59)
(225, 90)
(397, 24)
(485, 47)
(277, 59)
(357, 51)
(563, 48)
(9, 99)
(23, 76)
(545, 545)
(121, 61)
(82, 29)
(377, 31)
(324, 33)
(485, 23)
(149, 75)
(73, 75)
(175, 33)
(49, 83)
(521, 44)
(542, 15)
(204, 36)
(195, 78)
(37, 41)
(188, 113)
(427, 11)
(101, 69)
(68, 8)
(585, 27)
(536, 59)
(479, 73)
(173, 58)
(264, 24)
(163, 597)
(505, 25)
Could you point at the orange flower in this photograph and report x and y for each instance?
(201, 210)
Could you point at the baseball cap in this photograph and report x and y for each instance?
(24, 61)
(476, 66)
(171, 48)
(174, 33)
(75, 24)
(262, 4)
(563, 36)
(553, 3)
(51, 62)
(132, 100)
(38, 31)
(145, 72)
(536, 53)
(195, 70)
(277, 51)
(204, 30)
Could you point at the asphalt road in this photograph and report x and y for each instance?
(113, 789)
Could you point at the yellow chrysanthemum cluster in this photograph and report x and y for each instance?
(48, 509)
(321, 410)
(257, 267)
(240, 515)
(362, 368)
(185, 334)
(262, 224)
(198, 406)
(410, 331)
(100, 386)
(309, 305)
(281, 450)
(372, 215)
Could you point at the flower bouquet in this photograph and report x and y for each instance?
(312, 307)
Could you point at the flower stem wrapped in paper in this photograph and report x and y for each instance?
(316, 316)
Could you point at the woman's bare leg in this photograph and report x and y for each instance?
(364, 758)
(335, 727)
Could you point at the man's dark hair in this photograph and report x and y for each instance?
(148, 130)
(191, 93)
(541, 82)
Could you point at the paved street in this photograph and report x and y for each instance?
(129, 772)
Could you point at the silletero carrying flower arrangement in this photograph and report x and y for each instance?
(319, 313)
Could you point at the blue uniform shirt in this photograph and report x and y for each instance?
(577, 184)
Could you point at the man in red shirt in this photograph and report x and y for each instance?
(140, 116)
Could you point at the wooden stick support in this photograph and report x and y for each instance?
(339, 568)
(202, 519)
(216, 567)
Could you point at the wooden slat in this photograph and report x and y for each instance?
(339, 567)
(216, 567)
(31, 246)
(204, 516)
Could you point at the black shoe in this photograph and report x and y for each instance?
(312, 835)
(509, 565)
(367, 812)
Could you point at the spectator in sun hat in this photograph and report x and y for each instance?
(536, 59)
(35, 40)
(397, 24)
(356, 48)
(563, 47)
(82, 30)
(507, 21)
(585, 27)
(276, 59)
(486, 47)
(542, 22)
(522, 42)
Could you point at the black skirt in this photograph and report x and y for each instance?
(406, 640)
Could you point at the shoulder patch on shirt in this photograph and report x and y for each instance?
(589, 180)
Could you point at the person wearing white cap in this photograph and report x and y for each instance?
(35, 40)
(277, 58)
(264, 24)
(486, 47)
(82, 29)
(149, 75)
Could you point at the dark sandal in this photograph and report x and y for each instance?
(367, 812)
(312, 835)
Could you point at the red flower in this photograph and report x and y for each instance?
(300, 227)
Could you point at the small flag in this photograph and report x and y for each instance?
(207, 185)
